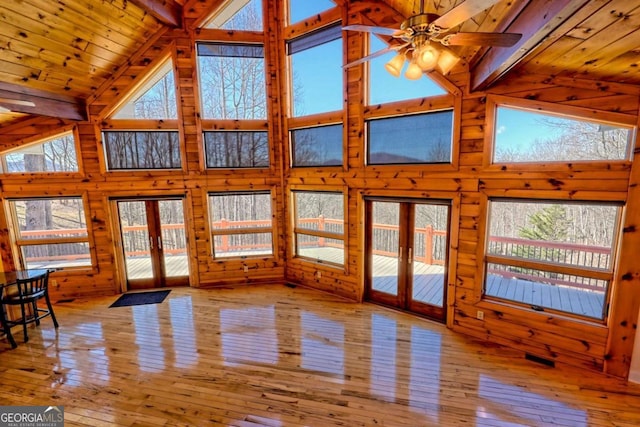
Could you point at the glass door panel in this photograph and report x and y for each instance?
(429, 253)
(135, 239)
(173, 238)
(384, 247)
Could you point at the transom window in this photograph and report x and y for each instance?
(552, 255)
(412, 139)
(127, 150)
(522, 135)
(236, 149)
(319, 226)
(241, 224)
(242, 15)
(317, 146)
(232, 81)
(50, 232)
(53, 154)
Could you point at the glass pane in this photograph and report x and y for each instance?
(422, 138)
(385, 238)
(383, 87)
(543, 289)
(240, 15)
(230, 149)
(174, 240)
(317, 79)
(429, 253)
(319, 146)
(250, 244)
(240, 210)
(57, 154)
(320, 211)
(142, 150)
(135, 239)
(320, 248)
(528, 136)
(302, 9)
(580, 235)
(56, 255)
(156, 99)
(232, 81)
(49, 218)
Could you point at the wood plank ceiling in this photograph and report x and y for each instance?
(56, 54)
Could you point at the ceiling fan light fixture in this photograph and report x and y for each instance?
(4, 110)
(394, 67)
(447, 61)
(427, 57)
(414, 72)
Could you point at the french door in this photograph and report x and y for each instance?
(407, 248)
(154, 244)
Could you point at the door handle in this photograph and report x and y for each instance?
(400, 255)
(150, 242)
(409, 258)
(159, 243)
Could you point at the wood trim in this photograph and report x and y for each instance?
(546, 266)
(167, 12)
(228, 36)
(314, 23)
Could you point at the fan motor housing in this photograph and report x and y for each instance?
(419, 23)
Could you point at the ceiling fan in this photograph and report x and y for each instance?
(425, 38)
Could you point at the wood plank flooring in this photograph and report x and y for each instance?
(272, 355)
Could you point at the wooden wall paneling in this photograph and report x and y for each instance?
(625, 299)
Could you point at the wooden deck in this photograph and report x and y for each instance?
(271, 355)
(429, 282)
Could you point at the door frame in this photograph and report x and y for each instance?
(118, 254)
(403, 300)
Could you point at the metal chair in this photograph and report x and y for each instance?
(26, 294)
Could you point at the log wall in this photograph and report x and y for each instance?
(468, 182)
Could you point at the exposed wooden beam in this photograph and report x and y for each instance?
(166, 11)
(535, 22)
(20, 99)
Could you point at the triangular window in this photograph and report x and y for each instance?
(239, 15)
(54, 154)
(154, 99)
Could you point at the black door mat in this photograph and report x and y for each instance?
(140, 298)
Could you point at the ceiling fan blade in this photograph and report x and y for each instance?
(482, 39)
(462, 12)
(384, 31)
(17, 102)
(370, 57)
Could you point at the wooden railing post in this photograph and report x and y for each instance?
(428, 245)
(224, 224)
(321, 227)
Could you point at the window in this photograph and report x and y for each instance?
(232, 81)
(552, 254)
(302, 9)
(523, 135)
(383, 87)
(55, 154)
(240, 15)
(142, 149)
(420, 138)
(50, 233)
(236, 149)
(316, 71)
(241, 224)
(319, 226)
(155, 99)
(317, 146)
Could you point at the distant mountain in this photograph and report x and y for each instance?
(388, 158)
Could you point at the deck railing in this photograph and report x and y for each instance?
(429, 246)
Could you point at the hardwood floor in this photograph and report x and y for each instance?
(272, 355)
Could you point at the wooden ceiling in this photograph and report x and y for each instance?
(56, 53)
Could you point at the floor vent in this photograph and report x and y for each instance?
(291, 285)
(540, 360)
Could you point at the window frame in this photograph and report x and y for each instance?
(295, 230)
(607, 275)
(561, 111)
(272, 229)
(18, 243)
